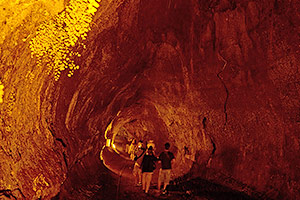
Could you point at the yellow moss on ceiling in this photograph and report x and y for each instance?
(55, 38)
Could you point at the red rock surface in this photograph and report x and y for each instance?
(219, 79)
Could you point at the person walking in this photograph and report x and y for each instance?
(148, 166)
(138, 157)
(166, 158)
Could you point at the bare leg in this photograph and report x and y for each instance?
(140, 176)
(137, 174)
(165, 186)
(148, 181)
(143, 181)
(159, 180)
(158, 185)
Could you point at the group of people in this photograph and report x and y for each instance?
(145, 164)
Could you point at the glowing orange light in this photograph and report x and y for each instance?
(108, 141)
(101, 153)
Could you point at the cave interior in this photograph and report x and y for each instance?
(217, 79)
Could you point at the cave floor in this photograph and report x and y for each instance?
(196, 188)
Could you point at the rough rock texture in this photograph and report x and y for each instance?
(218, 79)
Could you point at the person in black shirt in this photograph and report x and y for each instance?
(148, 166)
(166, 158)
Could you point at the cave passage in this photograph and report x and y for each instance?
(116, 158)
(217, 79)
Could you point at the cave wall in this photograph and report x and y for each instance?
(157, 68)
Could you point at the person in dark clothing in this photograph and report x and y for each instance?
(166, 158)
(148, 166)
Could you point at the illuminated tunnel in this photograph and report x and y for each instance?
(217, 79)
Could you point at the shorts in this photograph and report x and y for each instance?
(164, 175)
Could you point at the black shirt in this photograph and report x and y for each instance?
(166, 157)
(148, 163)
